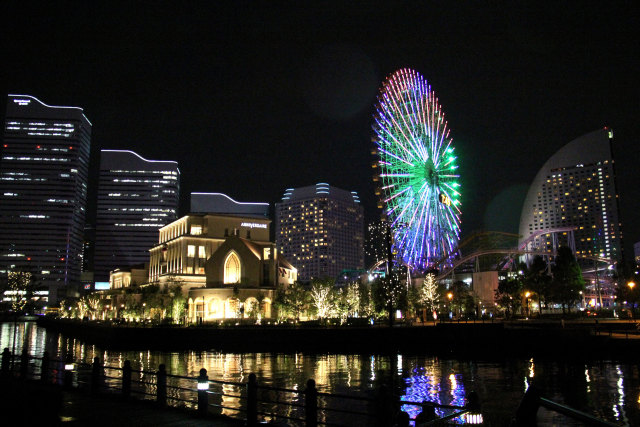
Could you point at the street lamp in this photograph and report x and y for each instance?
(527, 295)
(450, 296)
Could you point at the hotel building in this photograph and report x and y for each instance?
(576, 189)
(136, 197)
(43, 189)
(321, 230)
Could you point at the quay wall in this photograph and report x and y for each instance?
(473, 340)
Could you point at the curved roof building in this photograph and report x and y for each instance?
(44, 169)
(136, 197)
(576, 189)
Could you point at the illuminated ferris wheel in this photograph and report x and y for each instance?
(420, 189)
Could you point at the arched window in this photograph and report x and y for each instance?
(232, 268)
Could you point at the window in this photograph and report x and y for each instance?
(191, 251)
(196, 230)
(201, 252)
(232, 268)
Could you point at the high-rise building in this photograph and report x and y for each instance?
(43, 185)
(575, 194)
(320, 230)
(136, 197)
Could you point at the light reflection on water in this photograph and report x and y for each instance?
(608, 390)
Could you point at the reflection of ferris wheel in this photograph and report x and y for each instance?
(419, 186)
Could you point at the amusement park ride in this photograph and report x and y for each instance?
(419, 191)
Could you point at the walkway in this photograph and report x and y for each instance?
(37, 404)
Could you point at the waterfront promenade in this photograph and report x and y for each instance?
(44, 404)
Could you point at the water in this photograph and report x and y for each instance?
(607, 389)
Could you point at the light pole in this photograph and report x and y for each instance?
(450, 296)
(527, 295)
(631, 284)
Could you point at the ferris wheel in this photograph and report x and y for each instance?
(419, 186)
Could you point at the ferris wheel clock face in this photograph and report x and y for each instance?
(417, 164)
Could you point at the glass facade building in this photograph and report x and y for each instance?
(136, 197)
(43, 184)
(320, 230)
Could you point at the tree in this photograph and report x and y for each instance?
(323, 297)
(509, 295)
(429, 295)
(567, 279)
(94, 305)
(390, 294)
(366, 307)
(296, 299)
(538, 281)
(20, 285)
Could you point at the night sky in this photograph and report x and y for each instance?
(254, 97)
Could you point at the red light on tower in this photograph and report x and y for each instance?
(37, 146)
(70, 148)
(29, 258)
(61, 259)
(5, 145)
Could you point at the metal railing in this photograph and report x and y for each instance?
(532, 401)
(248, 401)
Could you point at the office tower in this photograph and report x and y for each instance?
(575, 194)
(320, 230)
(136, 197)
(43, 185)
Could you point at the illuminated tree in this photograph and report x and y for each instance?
(94, 305)
(429, 294)
(20, 284)
(323, 297)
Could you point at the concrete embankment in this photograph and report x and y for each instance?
(449, 339)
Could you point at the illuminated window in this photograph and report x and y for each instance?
(201, 252)
(232, 268)
(191, 251)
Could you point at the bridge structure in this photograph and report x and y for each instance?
(504, 248)
(500, 251)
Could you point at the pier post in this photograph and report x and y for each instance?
(6, 360)
(126, 379)
(24, 363)
(161, 381)
(44, 370)
(311, 404)
(528, 409)
(203, 390)
(252, 401)
(96, 375)
(384, 409)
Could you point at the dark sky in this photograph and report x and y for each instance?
(254, 97)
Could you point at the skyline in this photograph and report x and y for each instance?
(252, 99)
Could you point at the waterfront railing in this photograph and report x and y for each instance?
(249, 401)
